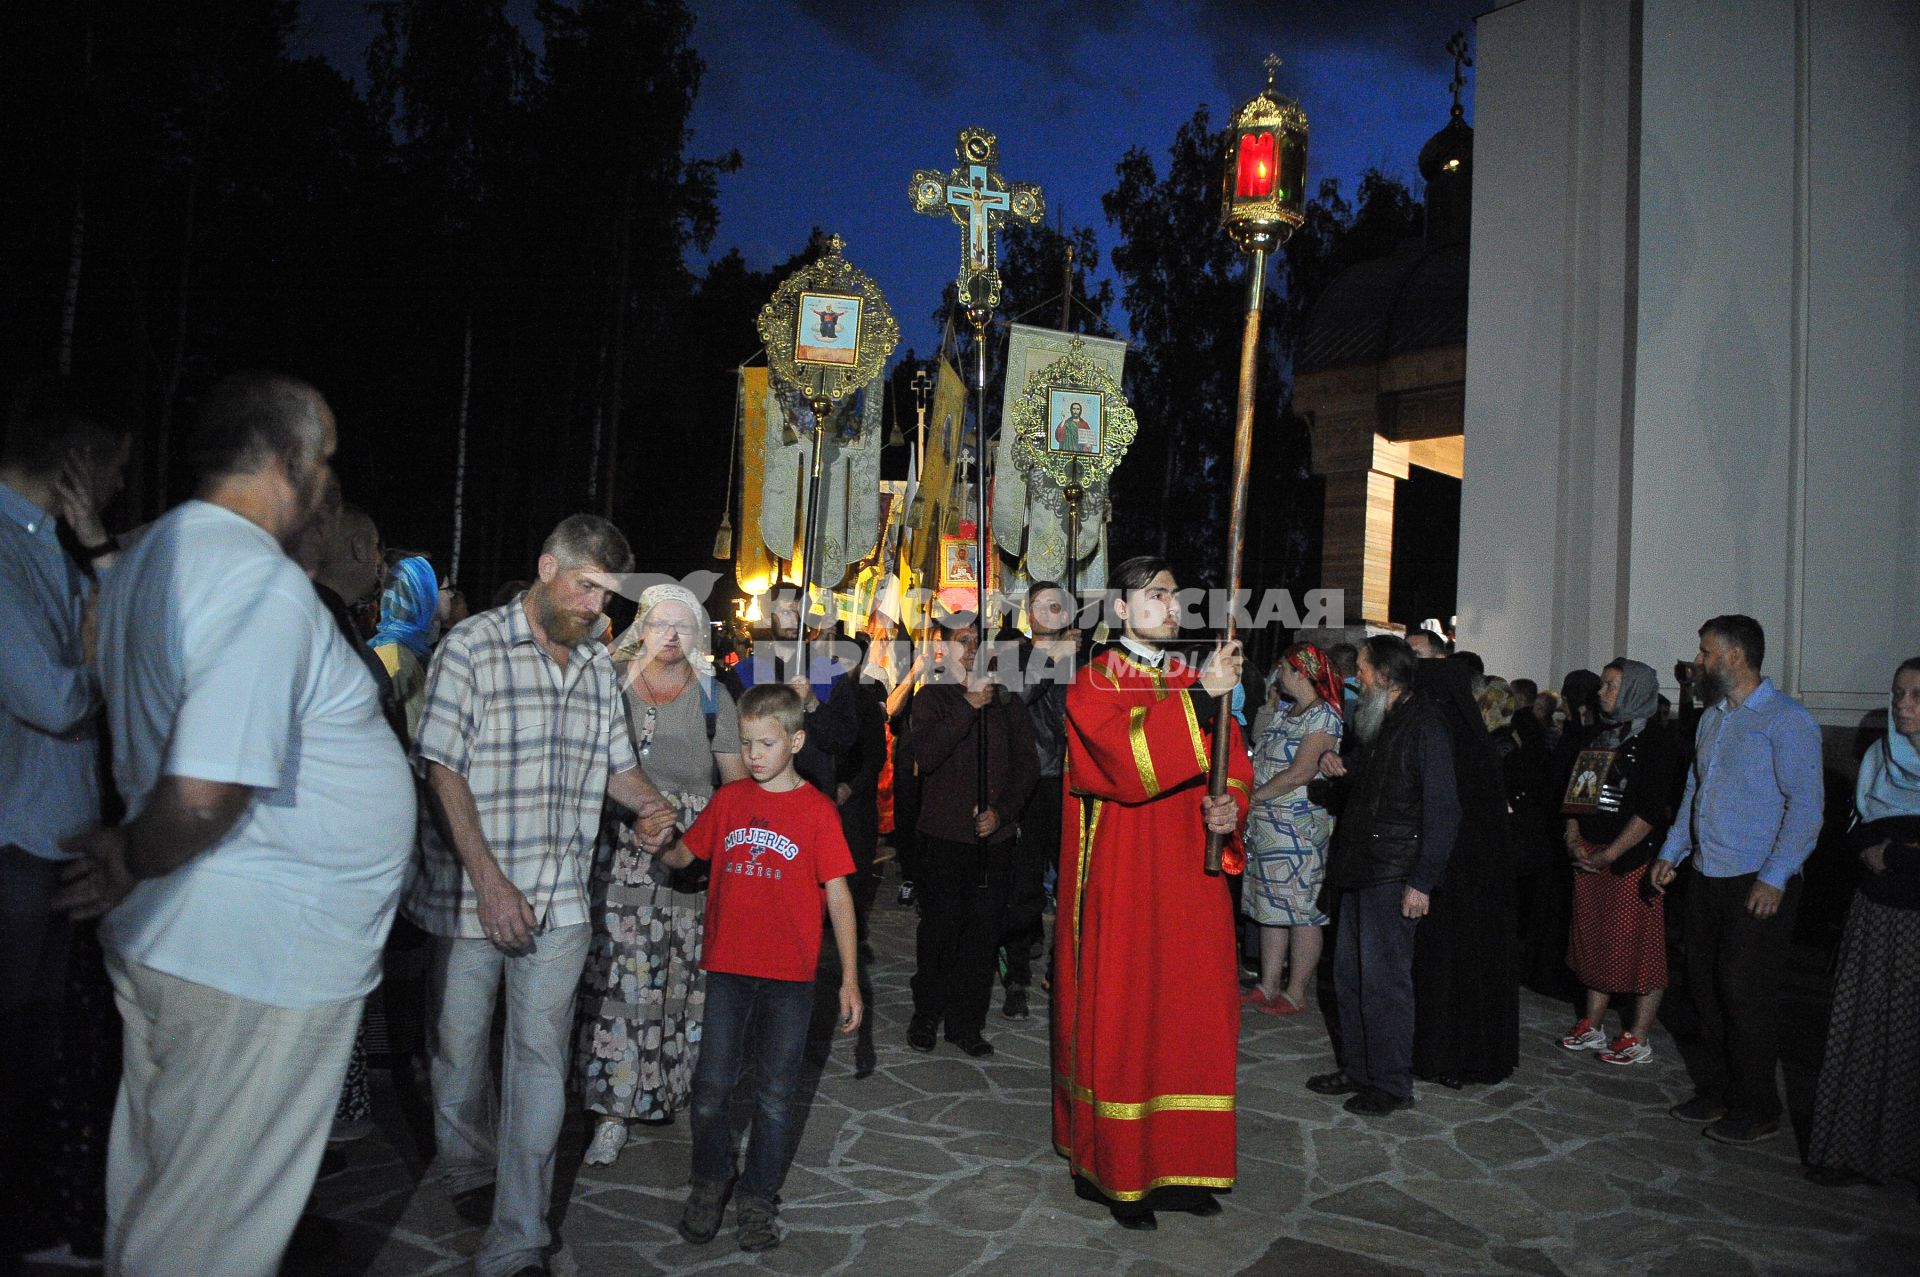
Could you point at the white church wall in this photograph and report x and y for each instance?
(1713, 439)
(1539, 518)
(1693, 380)
(1862, 562)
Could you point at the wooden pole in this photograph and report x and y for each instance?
(980, 316)
(1237, 525)
(822, 410)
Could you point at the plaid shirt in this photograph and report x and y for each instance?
(536, 744)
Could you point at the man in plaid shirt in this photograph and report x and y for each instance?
(522, 739)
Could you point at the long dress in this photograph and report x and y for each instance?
(1146, 1014)
(1866, 1110)
(1287, 836)
(642, 994)
(1466, 1001)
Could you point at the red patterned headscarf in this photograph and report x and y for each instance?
(1310, 663)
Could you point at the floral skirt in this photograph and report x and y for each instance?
(643, 991)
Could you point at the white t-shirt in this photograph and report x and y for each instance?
(220, 663)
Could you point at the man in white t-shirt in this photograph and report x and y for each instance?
(271, 819)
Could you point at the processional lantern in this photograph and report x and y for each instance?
(1263, 202)
(1264, 198)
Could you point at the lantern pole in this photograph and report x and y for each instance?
(1237, 522)
(1264, 197)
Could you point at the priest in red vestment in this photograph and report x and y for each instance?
(1146, 1004)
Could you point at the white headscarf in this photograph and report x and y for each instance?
(631, 646)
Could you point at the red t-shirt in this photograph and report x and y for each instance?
(773, 856)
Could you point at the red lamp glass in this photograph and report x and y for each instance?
(1256, 167)
(1264, 170)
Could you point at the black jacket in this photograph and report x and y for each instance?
(1402, 809)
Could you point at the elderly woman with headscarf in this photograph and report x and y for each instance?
(642, 994)
(1288, 832)
(1866, 1110)
(403, 640)
(1466, 1016)
(1615, 810)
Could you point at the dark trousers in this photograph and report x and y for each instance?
(748, 1017)
(860, 824)
(906, 808)
(1373, 984)
(1037, 847)
(1735, 963)
(35, 944)
(963, 889)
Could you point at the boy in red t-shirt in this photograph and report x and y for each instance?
(777, 853)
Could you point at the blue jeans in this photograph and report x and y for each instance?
(1373, 981)
(511, 1144)
(773, 1015)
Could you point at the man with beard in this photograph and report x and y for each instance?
(1748, 819)
(1390, 850)
(522, 739)
(1146, 1016)
(271, 818)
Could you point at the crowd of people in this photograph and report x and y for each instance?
(255, 767)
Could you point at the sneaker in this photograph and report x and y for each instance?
(700, 1220)
(1741, 1130)
(1701, 1108)
(61, 1256)
(1585, 1038)
(1016, 1007)
(906, 893)
(754, 1217)
(607, 1143)
(1627, 1049)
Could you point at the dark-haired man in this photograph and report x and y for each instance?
(248, 895)
(1390, 851)
(1146, 1016)
(1748, 820)
(62, 462)
(1049, 668)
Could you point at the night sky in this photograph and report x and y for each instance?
(833, 104)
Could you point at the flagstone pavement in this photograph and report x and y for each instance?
(938, 1164)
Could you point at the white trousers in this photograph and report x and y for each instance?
(223, 1113)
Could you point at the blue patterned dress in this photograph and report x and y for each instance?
(1287, 836)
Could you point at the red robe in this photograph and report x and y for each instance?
(1146, 999)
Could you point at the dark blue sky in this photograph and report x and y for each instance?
(833, 104)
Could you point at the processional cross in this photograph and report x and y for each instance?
(974, 195)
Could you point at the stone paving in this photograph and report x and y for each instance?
(938, 1164)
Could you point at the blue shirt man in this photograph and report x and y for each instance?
(1754, 794)
(1748, 819)
(61, 464)
(49, 782)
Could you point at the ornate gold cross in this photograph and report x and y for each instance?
(974, 195)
